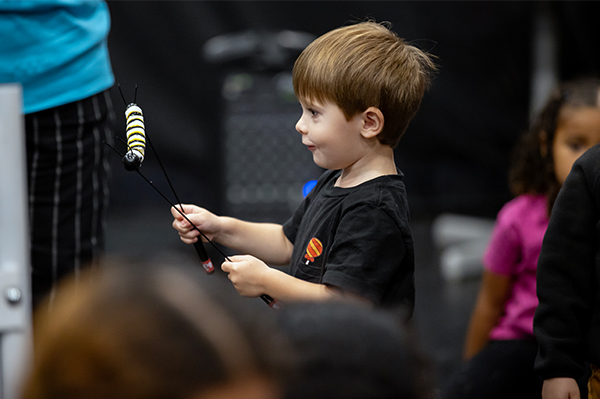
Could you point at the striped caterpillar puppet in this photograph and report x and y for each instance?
(136, 137)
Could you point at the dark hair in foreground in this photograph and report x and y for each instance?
(353, 352)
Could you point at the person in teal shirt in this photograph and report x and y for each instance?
(57, 51)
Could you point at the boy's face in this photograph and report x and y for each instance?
(335, 142)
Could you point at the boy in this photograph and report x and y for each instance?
(359, 86)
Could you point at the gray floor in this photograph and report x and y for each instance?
(442, 308)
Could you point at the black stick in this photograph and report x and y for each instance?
(266, 298)
(198, 245)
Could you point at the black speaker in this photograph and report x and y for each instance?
(265, 164)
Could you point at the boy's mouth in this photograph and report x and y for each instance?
(310, 146)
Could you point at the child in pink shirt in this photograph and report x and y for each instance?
(500, 347)
(513, 251)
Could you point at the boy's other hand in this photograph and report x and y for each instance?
(247, 274)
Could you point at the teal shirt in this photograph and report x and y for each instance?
(57, 50)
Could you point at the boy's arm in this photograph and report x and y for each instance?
(288, 288)
(263, 240)
(251, 277)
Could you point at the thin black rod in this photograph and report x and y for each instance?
(122, 96)
(113, 148)
(266, 298)
(122, 141)
(184, 216)
(164, 171)
(174, 206)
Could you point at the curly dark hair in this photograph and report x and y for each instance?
(532, 170)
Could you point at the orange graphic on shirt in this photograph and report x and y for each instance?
(313, 250)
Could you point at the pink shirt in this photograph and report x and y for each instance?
(513, 251)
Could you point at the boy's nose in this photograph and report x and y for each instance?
(300, 126)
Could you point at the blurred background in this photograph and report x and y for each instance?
(214, 83)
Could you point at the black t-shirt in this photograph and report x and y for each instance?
(357, 239)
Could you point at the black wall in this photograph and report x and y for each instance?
(456, 152)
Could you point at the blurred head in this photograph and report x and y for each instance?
(152, 332)
(349, 351)
(577, 130)
(567, 126)
(361, 66)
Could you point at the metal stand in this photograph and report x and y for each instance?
(15, 295)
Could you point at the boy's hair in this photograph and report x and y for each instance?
(532, 172)
(365, 65)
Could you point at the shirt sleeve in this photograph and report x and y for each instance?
(504, 248)
(290, 227)
(366, 254)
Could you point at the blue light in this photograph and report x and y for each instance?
(308, 187)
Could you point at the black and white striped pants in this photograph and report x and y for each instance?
(68, 176)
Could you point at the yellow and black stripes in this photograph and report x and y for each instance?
(136, 137)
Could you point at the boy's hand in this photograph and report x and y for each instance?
(208, 223)
(560, 388)
(247, 274)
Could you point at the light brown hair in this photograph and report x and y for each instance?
(148, 332)
(366, 65)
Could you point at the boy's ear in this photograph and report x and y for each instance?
(372, 122)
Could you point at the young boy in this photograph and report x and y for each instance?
(359, 86)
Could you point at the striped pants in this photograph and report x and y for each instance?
(68, 175)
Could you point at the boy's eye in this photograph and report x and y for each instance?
(312, 112)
